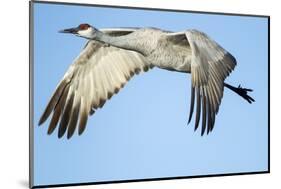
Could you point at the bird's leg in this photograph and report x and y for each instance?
(243, 92)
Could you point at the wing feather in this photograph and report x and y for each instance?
(191, 103)
(98, 73)
(198, 108)
(83, 116)
(74, 116)
(53, 101)
(210, 65)
(66, 114)
(58, 111)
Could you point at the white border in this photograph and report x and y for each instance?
(14, 93)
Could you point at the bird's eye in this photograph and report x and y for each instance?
(84, 26)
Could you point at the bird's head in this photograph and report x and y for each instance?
(83, 30)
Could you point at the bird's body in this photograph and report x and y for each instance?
(112, 56)
(169, 55)
(158, 47)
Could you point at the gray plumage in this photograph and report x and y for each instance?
(112, 56)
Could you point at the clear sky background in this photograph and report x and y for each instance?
(142, 132)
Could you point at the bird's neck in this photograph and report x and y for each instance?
(128, 42)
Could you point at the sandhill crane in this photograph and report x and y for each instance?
(112, 56)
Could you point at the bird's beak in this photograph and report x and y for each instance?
(70, 30)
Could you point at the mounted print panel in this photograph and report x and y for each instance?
(122, 94)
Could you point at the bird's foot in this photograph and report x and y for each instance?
(244, 93)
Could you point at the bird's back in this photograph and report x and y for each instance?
(160, 50)
(166, 53)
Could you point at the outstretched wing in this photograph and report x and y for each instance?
(210, 65)
(98, 73)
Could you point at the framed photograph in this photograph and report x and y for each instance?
(124, 94)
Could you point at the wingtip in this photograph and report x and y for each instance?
(69, 136)
(40, 122)
(202, 132)
(80, 131)
(60, 134)
(59, 137)
(191, 104)
(49, 132)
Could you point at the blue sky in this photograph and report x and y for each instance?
(142, 132)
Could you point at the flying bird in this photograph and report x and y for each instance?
(112, 57)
